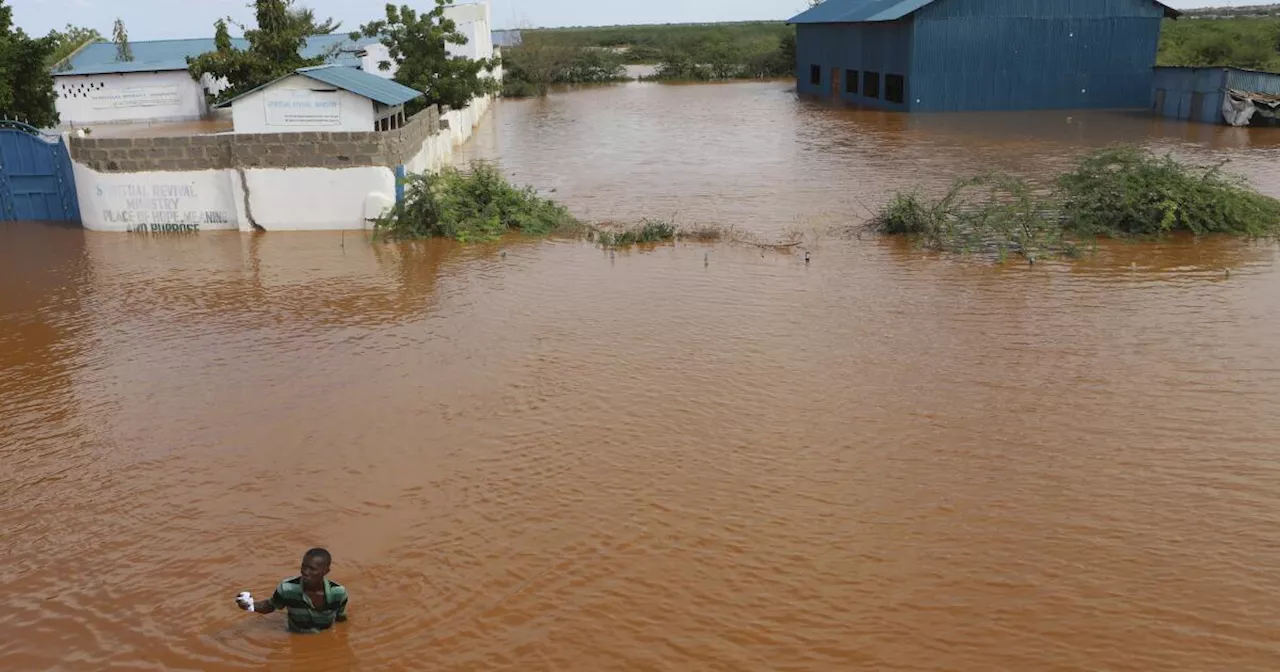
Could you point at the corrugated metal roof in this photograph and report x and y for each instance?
(359, 82)
(860, 11)
(164, 55)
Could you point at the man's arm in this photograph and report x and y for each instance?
(342, 611)
(269, 605)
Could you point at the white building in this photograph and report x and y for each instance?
(95, 87)
(322, 98)
(473, 22)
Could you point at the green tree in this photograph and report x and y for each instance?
(304, 21)
(418, 44)
(124, 52)
(68, 40)
(221, 36)
(26, 84)
(274, 51)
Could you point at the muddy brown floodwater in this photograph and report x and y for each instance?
(684, 458)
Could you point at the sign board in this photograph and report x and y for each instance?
(115, 97)
(157, 203)
(302, 107)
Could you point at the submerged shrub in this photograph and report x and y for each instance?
(470, 206)
(646, 232)
(1130, 191)
(1116, 192)
(992, 213)
(906, 214)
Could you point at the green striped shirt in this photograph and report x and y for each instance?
(303, 615)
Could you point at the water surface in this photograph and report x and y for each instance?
(693, 458)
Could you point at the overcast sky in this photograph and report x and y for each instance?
(160, 19)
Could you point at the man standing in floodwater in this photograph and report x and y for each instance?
(313, 602)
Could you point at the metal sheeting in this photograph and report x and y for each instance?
(883, 48)
(1205, 94)
(997, 54)
(858, 11)
(1028, 64)
(1253, 81)
(361, 83)
(166, 55)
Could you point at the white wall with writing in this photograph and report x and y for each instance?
(85, 100)
(296, 199)
(299, 104)
(176, 202)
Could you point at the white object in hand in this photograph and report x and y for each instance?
(245, 598)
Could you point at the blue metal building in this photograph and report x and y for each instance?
(954, 55)
(1198, 94)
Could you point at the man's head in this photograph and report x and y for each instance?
(315, 565)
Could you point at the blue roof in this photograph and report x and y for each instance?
(163, 55)
(866, 11)
(359, 82)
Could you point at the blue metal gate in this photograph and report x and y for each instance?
(36, 182)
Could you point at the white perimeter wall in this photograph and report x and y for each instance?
(249, 114)
(292, 199)
(84, 100)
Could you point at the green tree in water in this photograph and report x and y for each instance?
(274, 46)
(418, 44)
(26, 84)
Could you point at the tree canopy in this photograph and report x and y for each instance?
(274, 49)
(69, 39)
(120, 35)
(26, 83)
(418, 44)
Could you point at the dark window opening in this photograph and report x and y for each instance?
(1160, 96)
(895, 88)
(850, 81)
(815, 75)
(871, 84)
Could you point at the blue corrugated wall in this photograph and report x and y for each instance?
(1196, 93)
(999, 54)
(884, 48)
(1189, 93)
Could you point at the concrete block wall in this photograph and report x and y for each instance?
(257, 150)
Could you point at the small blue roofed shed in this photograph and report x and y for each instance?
(322, 98)
(957, 55)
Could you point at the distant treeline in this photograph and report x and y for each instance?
(681, 52)
(1252, 42)
(698, 52)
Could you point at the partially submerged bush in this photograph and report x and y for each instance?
(990, 213)
(1129, 191)
(1116, 193)
(648, 231)
(470, 206)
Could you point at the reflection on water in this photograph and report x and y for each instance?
(559, 460)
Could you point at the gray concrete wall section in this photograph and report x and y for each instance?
(257, 150)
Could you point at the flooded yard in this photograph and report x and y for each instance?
(691, 457)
